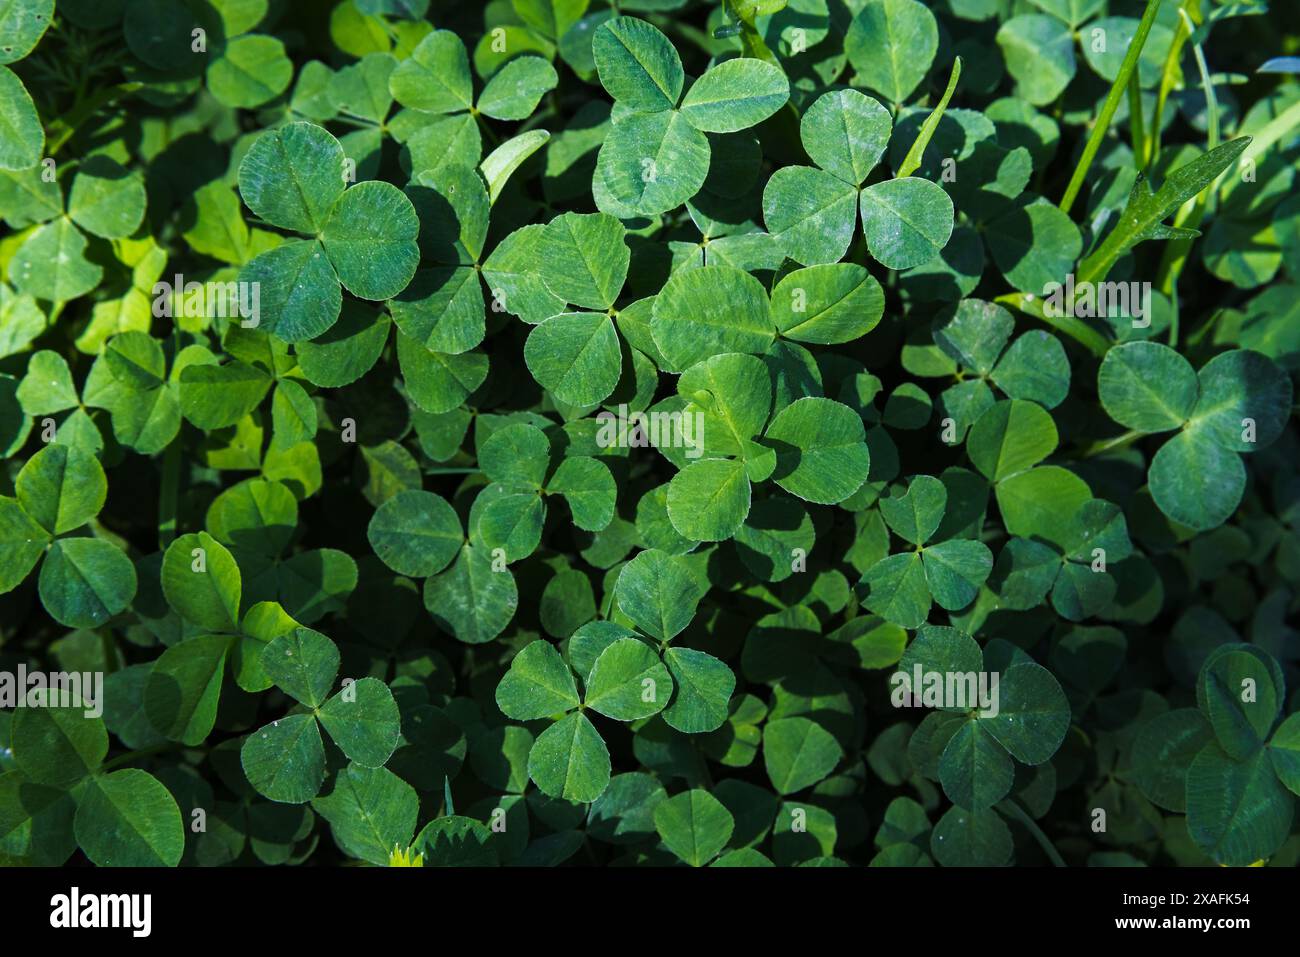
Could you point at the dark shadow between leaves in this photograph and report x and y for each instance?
(787, 456)
(439, 228)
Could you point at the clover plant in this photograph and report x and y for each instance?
(698, 433)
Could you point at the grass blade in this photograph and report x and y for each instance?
(913, 159)
(1110, 106)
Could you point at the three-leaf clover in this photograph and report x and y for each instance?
(813, 211)
(626, 682)
(657, 155)
(417, 533)
(517, 458)
(812, 447)
(943, 569)
(968, 747)
(256, 519)
(435, 78)
(48, 390)
(973, 338)
(583, 260)
(67, 796)
(1239, 402)
(1073, 567)
(441, 315)
(130, 379)
(1228, 763)
(285, 760)
(657, 593)
(84, 581)
(106, 200)
(202, 583)
(362, 237)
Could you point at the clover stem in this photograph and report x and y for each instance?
(1119, 442)
(1174, 311)
(487, 130)
(1014, 810)
(1176, 253)
(534, 121)
(61, 130)
(135, 755)
(1110, 106)
(1172, 70)
(704, 769)
(1204, 329)
(751, 41)
(171, 478)
(1137, 128)
(351, 119)
(1071, 326)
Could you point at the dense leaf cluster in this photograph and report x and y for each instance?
(552, 431)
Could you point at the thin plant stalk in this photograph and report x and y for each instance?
(1169, 77)
(1273, 131)
(1137, 129)
(1016, 811)
(1071, 326)
(167, 497)
(63, 129)
(1176, 253)
(1117, 90)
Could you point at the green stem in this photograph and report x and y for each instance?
(751, 41)
(1136, 127)
(130, 756)
(359, 122)
(1012, 809)
(1175, 255)
(62, 129)
(1278, 127)
(1190, 216)
(1211, 100)
(1110, 106)
(1071, 326)
(1204, 329)
(490, 136)
(1106, 445)
(171, 479)
(1168, 77)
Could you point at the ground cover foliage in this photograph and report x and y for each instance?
(325, 329)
